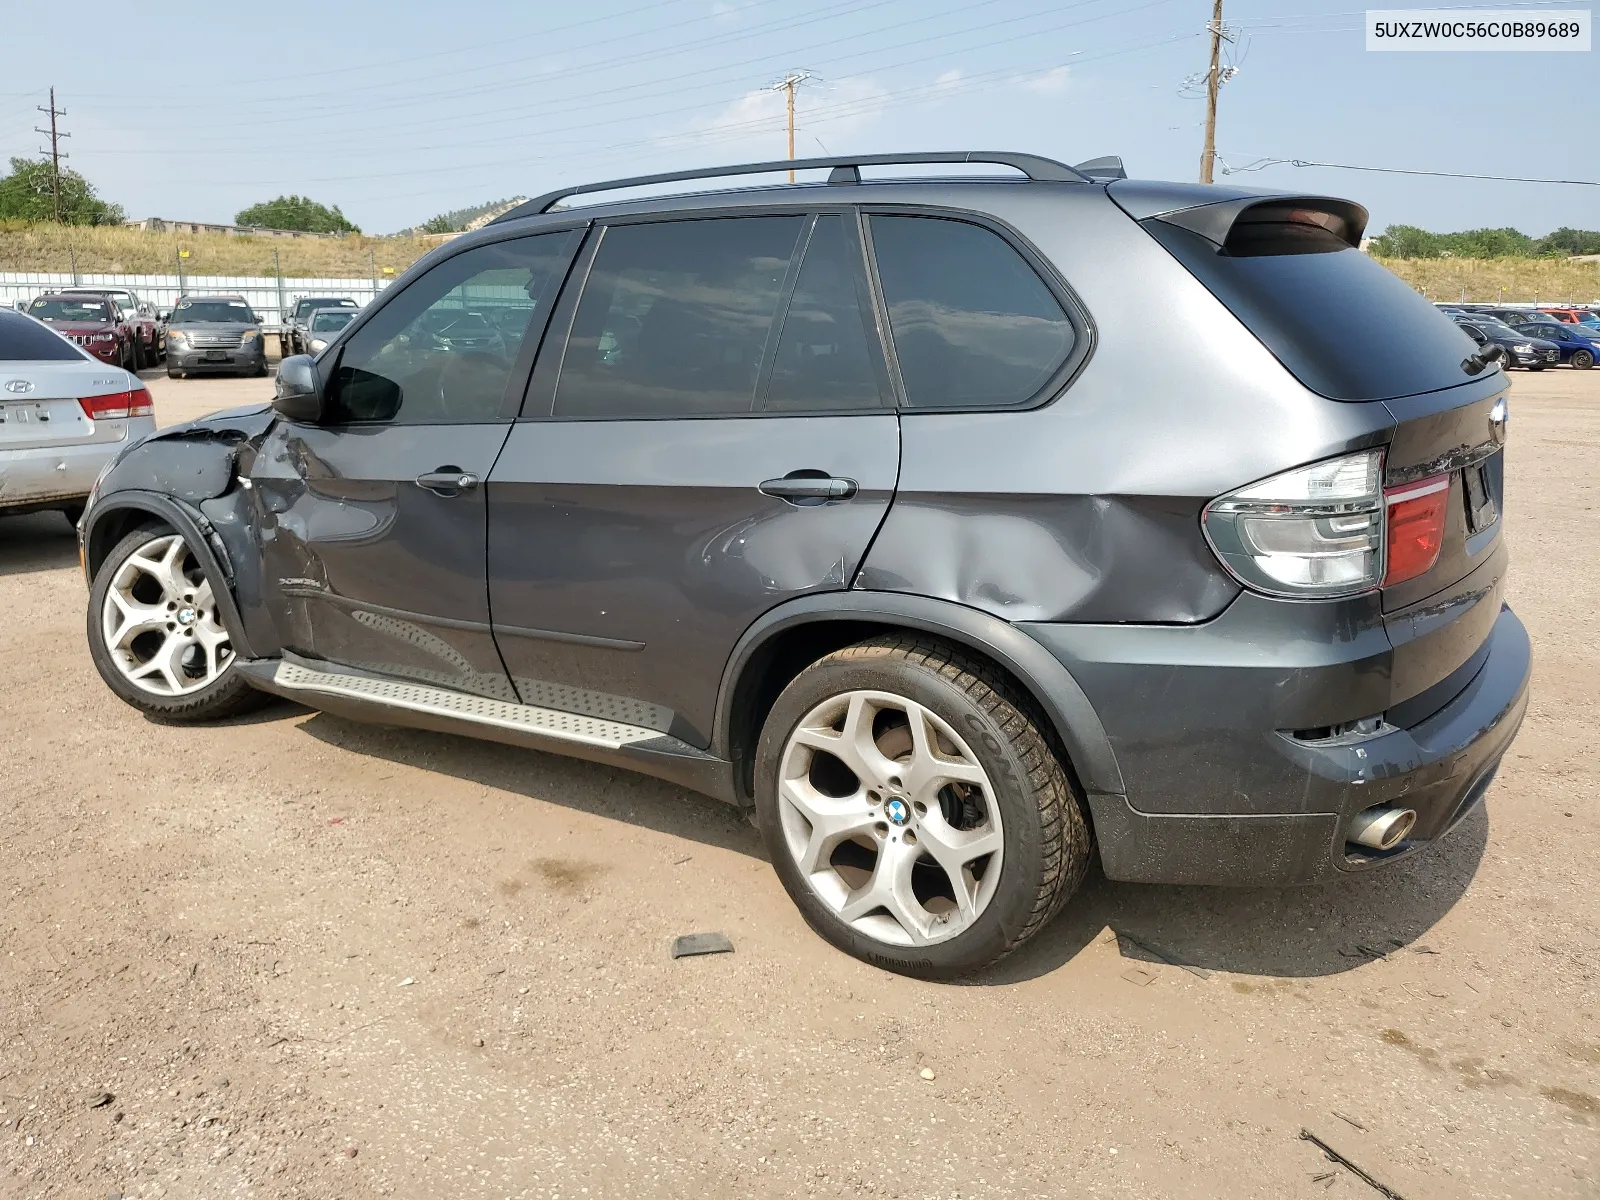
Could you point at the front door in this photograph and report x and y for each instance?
(374, 520)
(715, 437)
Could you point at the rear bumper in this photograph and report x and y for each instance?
(1221, 790)
(39, 477)
(1441, 768)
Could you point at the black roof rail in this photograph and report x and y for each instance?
(846, 169)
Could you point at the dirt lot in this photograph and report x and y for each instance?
(308, 958)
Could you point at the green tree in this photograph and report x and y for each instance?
(296, 212)
(1565, 241)
(1406, 241)
(439, 224)
(27, 194)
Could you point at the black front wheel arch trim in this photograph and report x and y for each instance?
(100, 534)
(1046, 679)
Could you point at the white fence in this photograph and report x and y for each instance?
(268, 295)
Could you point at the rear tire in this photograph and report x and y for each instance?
(174, 373)
(949, 785)
(1540, 368)
(1582, 359)
(155, 636)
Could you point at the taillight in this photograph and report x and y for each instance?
(1416, 527)
(1315, 531)
(132, 403)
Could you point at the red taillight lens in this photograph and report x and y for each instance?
(1416, 527)
(133, 403)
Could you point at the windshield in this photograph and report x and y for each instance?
(23, 341)
(70, 310)
(327, 322)
(1492, 325)
(1533, 318)
(213, 312)
(306, 307)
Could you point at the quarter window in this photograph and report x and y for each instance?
(675, 318)
(442, 351)
(974, 326)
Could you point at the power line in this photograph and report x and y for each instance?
(55, 150)
(1263, 163)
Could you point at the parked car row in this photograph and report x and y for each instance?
(1531, 338)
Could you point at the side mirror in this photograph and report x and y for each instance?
(299, 391)
(1494, 353)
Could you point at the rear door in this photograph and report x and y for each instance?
(374, 520)
(712, 435)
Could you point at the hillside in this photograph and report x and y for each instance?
(50, 247)
(1495, 279)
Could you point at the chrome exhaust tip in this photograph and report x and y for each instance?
(1381, 828)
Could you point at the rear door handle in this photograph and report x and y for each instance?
(813, 487)
(448, 481)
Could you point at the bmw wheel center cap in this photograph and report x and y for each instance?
(898, 811)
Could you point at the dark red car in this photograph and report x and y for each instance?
(141, 315)
(93, 322)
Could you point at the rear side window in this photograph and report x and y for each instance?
(675, 317)
(23, 341)
(974, 326)
(826, 359)
(1343, 325)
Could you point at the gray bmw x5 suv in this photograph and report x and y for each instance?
(870, 508)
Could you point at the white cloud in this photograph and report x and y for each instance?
(949, 79)
(757, 119)
(1052, 83)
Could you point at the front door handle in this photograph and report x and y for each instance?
(808, 487)
(448, 481)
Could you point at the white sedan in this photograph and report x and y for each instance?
(63, 416)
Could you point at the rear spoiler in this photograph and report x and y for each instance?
(1218, 213)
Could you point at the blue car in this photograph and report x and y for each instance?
(1579, 344)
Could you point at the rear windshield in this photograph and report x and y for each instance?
(1343, 325)
(21, 340)
(70, 310)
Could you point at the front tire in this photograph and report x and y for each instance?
(914, 809)
(155, 635)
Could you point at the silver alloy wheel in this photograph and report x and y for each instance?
(159, 621)
(890, 818)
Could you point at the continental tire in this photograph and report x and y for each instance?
(914, 810)
(155, 635)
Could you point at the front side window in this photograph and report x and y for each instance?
(675, 317)
(973, 324)
(442, 351)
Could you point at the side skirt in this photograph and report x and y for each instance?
(388, 701)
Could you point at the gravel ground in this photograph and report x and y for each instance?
(308, 958)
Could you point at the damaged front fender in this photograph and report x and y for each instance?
(186, 477)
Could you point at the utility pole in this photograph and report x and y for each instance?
(55, 149)
(1213, 81)
(787, 85)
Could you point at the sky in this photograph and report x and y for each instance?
(396, 111)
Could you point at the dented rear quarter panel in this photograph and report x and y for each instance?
(1087, 508)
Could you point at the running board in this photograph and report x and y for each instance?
(462, 706)
(387, 700)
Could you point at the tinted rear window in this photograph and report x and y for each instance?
(974, 326)
(23, 341)
(1343, 325)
